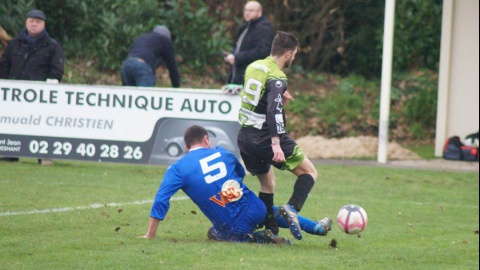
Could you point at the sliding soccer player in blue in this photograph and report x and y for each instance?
(213, 179)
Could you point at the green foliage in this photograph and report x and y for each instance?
(339, 107)
(349, 84)
(120, 26)
(364, 28)
(302, 105)
(343, 37)
(353, 108)
(100, 33)
(89, 232)
(200, 36)
(104, 31)
(316, 78)
(349, 109)
(345, 109)
(417, 34)
(13, 15)
(421, 109)
(416, 41)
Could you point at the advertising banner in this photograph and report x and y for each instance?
(136, 125)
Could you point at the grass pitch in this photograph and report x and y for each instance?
(77, 215)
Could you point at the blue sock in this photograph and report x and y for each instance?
(318, 229)
(307, 225)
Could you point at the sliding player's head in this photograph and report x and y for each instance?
(196, 136)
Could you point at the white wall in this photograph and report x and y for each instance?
(458, 102)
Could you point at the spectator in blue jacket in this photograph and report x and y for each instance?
(149, 51)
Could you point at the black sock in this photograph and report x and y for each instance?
(270, 220)
(302, 187)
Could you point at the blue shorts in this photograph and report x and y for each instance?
(242, 229)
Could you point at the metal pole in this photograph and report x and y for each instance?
(386, 80)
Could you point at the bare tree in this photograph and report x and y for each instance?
(319, 26)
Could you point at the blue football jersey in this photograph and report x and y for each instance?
(213, 179)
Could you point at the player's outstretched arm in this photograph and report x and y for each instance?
(152, 228)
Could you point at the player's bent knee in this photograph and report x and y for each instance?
(306, 167)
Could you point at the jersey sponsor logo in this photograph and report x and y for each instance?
(280, 124)
(278, 84)
(279, 103)
(231, 192)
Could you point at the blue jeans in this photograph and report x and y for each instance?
(137, 73)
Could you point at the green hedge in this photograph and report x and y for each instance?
(102, 32)
(352, 108)
(342, 37)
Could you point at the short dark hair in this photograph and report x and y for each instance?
(284, 42)
(194, 135)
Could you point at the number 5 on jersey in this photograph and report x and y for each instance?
(211, 165)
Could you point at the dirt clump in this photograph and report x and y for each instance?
(318, 147)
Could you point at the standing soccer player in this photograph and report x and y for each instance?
(263, 141)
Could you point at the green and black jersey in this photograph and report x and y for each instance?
(262, 105)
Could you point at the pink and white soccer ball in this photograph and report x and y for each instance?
(352, 219)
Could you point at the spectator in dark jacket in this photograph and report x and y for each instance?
(149, 51)
(253, 42)
(33, 55)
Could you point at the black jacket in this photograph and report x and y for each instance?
(36, 60)
(256, 45)
(156, 49)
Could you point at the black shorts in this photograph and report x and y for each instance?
(256, 149)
